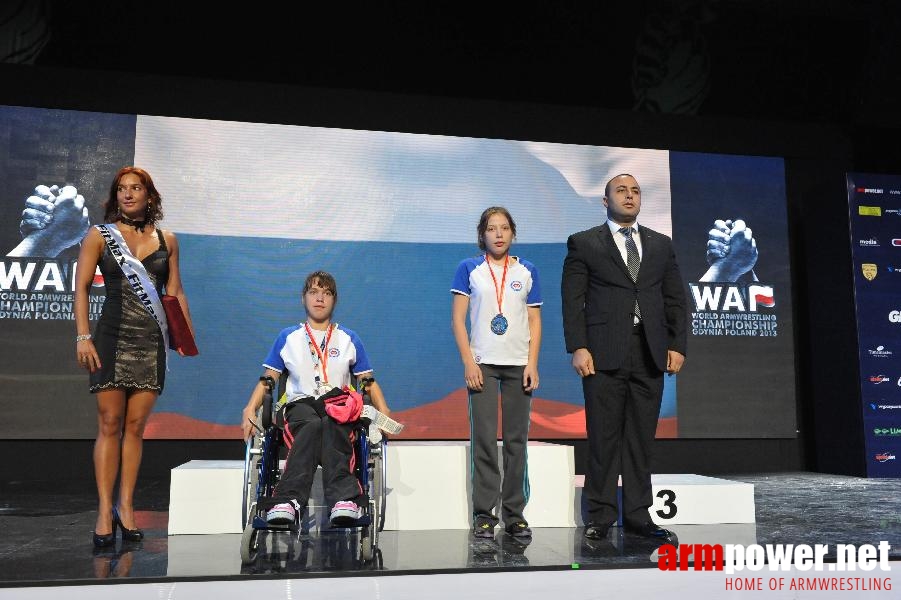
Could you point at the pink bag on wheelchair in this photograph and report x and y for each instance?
(343, 405)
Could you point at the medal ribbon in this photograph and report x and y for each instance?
(320, 356)
(499, 295)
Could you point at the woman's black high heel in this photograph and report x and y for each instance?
(129, 535)
(108, 539)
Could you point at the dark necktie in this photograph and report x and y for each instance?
(633, 262)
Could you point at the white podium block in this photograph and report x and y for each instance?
(689, 499)
(699, 500)
(428, 488)
(205, 497)
(429, 485)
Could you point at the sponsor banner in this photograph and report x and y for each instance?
(874, 203)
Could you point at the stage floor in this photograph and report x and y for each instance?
(46, 537)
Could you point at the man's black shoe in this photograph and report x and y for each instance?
(596, 531)
(598, 548)
(652, 530)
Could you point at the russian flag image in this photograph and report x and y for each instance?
(291, 200)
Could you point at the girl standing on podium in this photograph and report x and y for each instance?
(502, 295)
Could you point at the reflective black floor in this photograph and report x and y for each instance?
(46, 536)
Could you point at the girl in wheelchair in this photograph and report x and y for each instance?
(318, 356)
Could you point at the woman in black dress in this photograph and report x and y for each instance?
(126, 354)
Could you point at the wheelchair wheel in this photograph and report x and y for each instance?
(251, 479)
(250, 543)
(367, 542)
(369, 535)
(376, 504)
(380, 485)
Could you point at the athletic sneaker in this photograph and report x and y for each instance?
(345, 513)
(483, 528)
(520, 529)
(281, 514)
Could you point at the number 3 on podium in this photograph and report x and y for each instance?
(669, 504)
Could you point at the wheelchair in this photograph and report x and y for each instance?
(262, 471)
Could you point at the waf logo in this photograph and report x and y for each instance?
(869, 271)
(736, 298)
(884, 457)
(41, 275)
(877, 379)
(334, 353)
(516, 286)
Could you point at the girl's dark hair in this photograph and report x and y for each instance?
(482, 227)
(154, 210)
(324, 280)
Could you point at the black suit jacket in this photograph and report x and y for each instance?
(599, 297)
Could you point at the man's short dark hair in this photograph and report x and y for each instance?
(607, 187)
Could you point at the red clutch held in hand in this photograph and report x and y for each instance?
(179, 333)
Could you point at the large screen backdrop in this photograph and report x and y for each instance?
(256, 207)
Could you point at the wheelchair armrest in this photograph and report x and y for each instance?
(266, 416)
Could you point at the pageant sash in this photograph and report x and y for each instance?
(137, 277)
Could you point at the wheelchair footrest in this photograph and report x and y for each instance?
(261, 523)
(363, 521)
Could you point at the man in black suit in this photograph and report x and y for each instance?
(624, 321)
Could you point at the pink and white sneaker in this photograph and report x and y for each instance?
(345, 513)
(281, 514)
